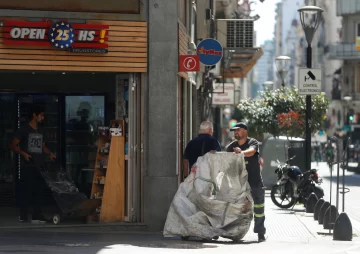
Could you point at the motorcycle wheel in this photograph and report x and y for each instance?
(273, 198)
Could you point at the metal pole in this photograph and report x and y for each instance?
(212, 25)
(338, 174)
(343, 177)
(308, 117)
(331, 176)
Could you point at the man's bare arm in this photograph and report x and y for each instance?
(247, 153)
(47, 151)
(14, 146)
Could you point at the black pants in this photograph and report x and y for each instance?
(30, 192)
(258, 194)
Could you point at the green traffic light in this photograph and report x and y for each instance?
(351, 118)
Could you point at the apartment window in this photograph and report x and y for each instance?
(182, 11)
(105, 6)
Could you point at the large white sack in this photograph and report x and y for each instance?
(214, 200)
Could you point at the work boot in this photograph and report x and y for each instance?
(261, 238)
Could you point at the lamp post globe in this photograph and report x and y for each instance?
(283, 66)
(310, 19)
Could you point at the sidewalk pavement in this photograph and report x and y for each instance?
(288, 231)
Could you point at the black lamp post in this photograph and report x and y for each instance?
(309, 17)
(283, 65)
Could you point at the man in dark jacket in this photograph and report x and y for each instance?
(200, 145)
(250, 148)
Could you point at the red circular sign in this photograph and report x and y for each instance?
(190, 63)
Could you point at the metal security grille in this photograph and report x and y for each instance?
(239, 33)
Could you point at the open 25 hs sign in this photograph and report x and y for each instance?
(310, 81)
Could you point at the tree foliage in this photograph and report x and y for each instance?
(282, 112)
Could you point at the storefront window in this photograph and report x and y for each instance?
(109, 6)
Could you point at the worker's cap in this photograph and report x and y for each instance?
(239, 125)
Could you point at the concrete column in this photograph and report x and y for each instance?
(160, 181)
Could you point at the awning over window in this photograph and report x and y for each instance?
(239, 61)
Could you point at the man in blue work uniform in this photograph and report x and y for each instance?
(250, 148)
(199, 146)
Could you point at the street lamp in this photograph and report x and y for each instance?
(309, 17)
(268, 84)
(283, 66)
(347, 98)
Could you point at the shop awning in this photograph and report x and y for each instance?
(239, 61)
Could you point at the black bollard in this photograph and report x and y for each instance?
(317, 208)
(343, 228)
(323, 209)
(311, 202)
(330, 217)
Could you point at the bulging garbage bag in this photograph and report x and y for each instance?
(214, 200)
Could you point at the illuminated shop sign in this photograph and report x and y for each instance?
(79, 38)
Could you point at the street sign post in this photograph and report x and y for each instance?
(310, 81)
(189, 63)
(210, 51)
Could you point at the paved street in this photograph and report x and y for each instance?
(289, 231)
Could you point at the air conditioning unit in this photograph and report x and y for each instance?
(235, 33)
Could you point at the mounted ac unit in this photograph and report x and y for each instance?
(235, 33)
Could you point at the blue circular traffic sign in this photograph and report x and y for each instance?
(210, 51)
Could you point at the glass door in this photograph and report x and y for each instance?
(83, 116)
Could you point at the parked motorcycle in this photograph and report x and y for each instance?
(293, 186)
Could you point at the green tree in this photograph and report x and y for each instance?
(282, 112)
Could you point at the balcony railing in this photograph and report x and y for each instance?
(346, 7)
(344, 51)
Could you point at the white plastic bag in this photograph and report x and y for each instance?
(214, 200)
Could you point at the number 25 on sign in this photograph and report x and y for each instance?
(62, 35)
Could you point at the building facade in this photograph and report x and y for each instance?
(87, 63)
(346, 77)
(93, 63)
(264, 68)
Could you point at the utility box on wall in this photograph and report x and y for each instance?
(235, 33)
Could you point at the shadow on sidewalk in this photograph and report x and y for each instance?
(170, 244)
(222, 241)
(108, 241)
(350, 180)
